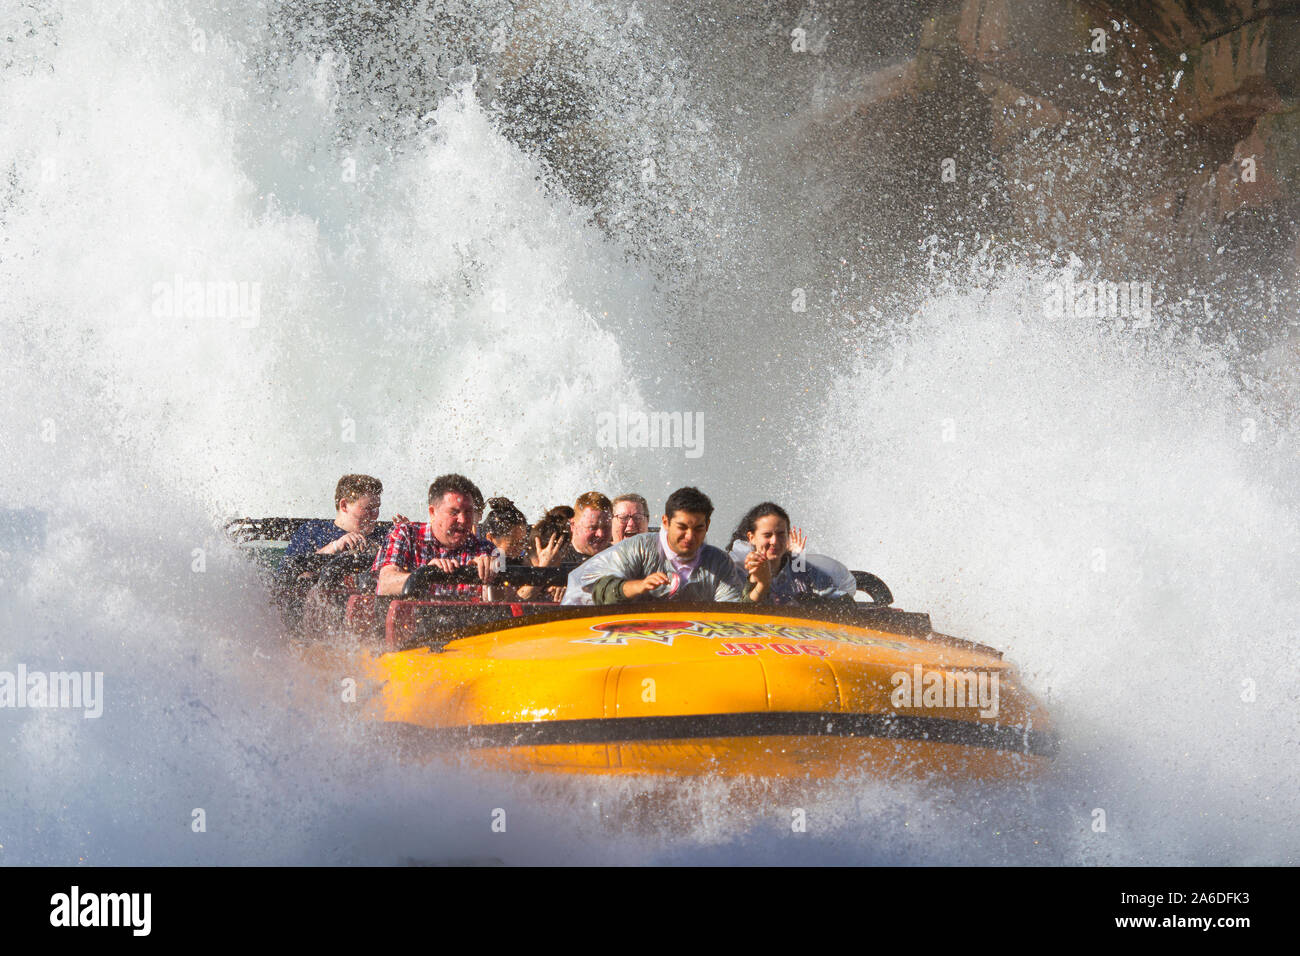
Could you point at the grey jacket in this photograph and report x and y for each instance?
(715, 578)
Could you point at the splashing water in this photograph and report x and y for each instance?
(415, 292)
(1083, 498)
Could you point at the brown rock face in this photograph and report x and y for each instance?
(1160, 134)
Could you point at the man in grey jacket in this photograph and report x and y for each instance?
(673, 563)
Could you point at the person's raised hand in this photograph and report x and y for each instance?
(547, 554)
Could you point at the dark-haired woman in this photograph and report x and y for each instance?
(507, 528)
(765, 529)
(550, 534)
(545, 544)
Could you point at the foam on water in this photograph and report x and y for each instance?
(427, 317)
(1095, 513)
(1116, 511)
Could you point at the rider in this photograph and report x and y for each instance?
(551, 532)
(590, 528)
(507, 529)
(356, 505)
(446, 540)
(765, 531)
(547, 542)
(631, 516)
(674, 562)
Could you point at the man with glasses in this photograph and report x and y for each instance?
(631, 516)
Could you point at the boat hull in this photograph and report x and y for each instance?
(700, 689)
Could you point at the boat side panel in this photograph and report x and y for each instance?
(725, 662)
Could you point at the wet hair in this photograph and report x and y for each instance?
(592, 499)
(503, 518)
(352, 487)
(641, 503)
(554, 522)
(691, 500)
(457, 484)
(749, 523)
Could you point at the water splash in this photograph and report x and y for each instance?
(429, 290)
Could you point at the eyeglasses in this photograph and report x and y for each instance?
(636, 516)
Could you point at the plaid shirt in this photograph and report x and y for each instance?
(413, 545)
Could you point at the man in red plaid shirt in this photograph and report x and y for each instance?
(446, 540)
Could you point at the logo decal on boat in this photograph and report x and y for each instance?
(637, 627)
(618, 633)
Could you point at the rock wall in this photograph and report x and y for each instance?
(1163, 133)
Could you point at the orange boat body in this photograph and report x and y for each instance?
(712, 689)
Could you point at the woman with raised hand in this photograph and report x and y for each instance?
(765, 530)
(546, 545)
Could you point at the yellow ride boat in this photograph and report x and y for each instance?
(823, 688)
(729, 689)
